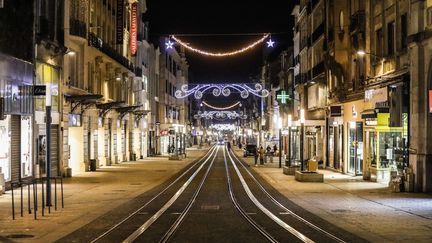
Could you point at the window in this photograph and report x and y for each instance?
(47, 74)
(391, 39)
(429, 16)
(404, 31)
(379, 42)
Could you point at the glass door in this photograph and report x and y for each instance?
(355, 148)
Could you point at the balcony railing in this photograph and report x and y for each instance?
(98, 43)
(78, 28)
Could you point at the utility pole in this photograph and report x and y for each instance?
(48, 143)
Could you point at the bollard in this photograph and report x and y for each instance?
(28, 198)
(61, 184)
(13, 202)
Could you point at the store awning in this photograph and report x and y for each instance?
(370, 113)
(105, 107)
(85, 101)
(126, 109)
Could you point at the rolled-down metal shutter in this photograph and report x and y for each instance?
(55, 166)
(15, 148)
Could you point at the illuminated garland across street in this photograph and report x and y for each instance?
(221, 108)
(224, 89)
(222, 127)
(220, 114)
(221, 54)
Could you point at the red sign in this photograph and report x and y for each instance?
(164, 132)
(430, 101)
(133, 30)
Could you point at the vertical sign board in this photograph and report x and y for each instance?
(430, 101)
(133, 30)
(119, 22)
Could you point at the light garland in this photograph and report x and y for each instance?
(224, 89)
(220, 54)
(220, 115)
(223, 127)
(221, 108)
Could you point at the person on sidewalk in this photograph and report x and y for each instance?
(256, 155)
(261, 154)
(228, 145)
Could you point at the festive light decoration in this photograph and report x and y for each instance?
(283, 97)
(220, 115)
(169, 44)
(222, 127)
(221, 108)
(224, 89)
(220, 54)
(270, 43)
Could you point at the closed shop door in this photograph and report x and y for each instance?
(55, 166)
(15, 148)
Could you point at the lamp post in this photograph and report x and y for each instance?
(302, 121)
(288, 162)
(48, 143)
(280, 141)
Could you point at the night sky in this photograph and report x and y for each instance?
(241, 19)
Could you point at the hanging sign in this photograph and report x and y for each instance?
(133, 30)
(39, 90)
(335, 111)
(430, 101)
(119, 22)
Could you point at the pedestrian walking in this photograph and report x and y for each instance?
(261, 154)
(228, 145)
(256, 155)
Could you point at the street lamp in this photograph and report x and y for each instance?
(302, 122)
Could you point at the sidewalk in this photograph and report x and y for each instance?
(87, 196)
(364, 208)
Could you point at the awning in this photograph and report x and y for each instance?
(105, 107)
(126, 109)
(85, 101)
(370, 113)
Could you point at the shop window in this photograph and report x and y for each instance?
(391, 39)
(5, 160)
(392, 150)
(404, 31)
(46, 74)
(379, 40)
(26, 146)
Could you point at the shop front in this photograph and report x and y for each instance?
(76, 143)
(386, 131)
(335, 142)
(354, 137)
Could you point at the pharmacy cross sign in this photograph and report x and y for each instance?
(283, 97)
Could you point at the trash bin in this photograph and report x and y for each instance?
(92, 165)
(312, 165)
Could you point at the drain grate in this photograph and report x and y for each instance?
(19, 236)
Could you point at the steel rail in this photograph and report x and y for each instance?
(180, 219)
(210, 151)
(266, 211)
(167, 205)
(275, 201)
(267, 235)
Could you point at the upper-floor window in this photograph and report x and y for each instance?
(391, 40)
(379, 40)
(429, 16)
(404, 31)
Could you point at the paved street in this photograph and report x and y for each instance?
(343, 205)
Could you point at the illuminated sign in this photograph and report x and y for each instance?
(430, 101)
(74, 120)
(133, 30)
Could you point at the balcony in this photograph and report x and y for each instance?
(78, 28)
(99, 44)
(318, 32)
(357, 22)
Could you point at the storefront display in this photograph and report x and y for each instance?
(5, 160)
(26, 146)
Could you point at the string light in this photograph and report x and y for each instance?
(221, 108)
(220, 54)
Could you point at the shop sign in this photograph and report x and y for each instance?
(74, 120)
(335, 111)
(383, 104)
(376, 95)
(430, 101)
(133, 29)
(119, 22)
(39, 90)
(164, 132)
(371, 121)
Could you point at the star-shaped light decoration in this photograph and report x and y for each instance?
(169, 44)
(270, 43)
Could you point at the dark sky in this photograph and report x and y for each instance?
(237, 17)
